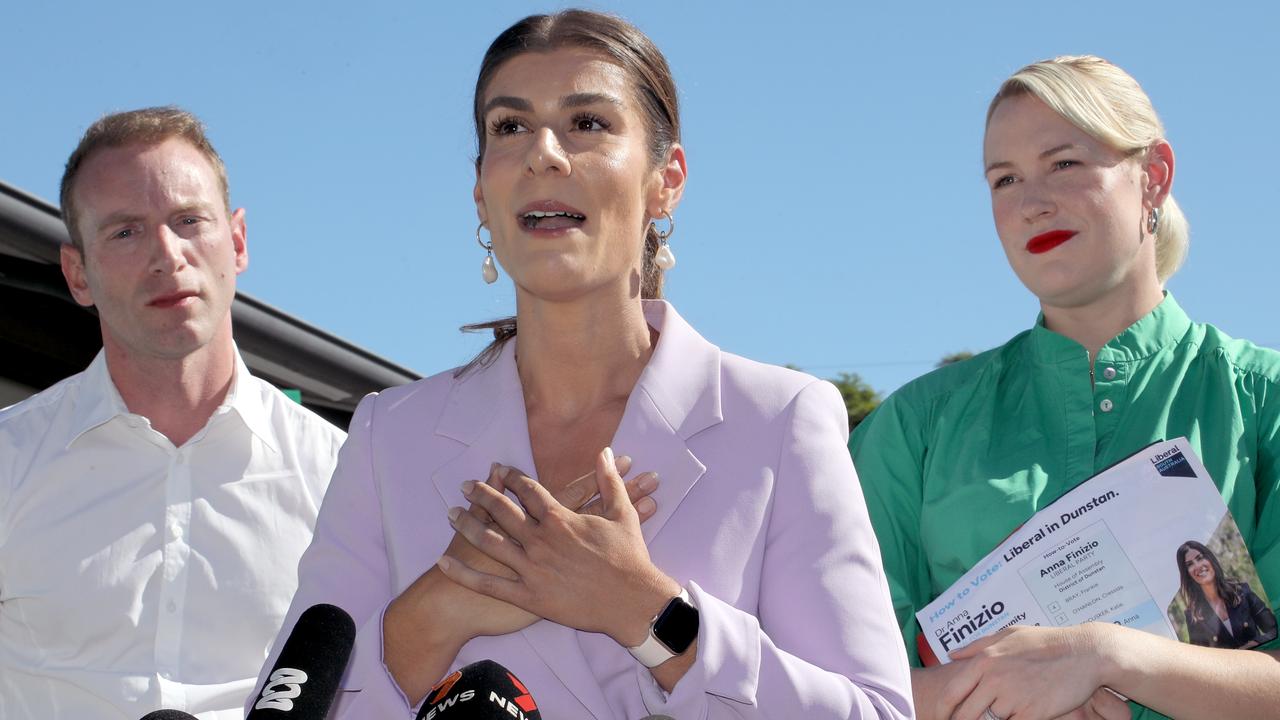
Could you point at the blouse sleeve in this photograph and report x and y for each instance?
(823, 645)
(889, 449)
(1265, 546)
(346, 565)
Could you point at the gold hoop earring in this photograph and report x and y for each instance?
(488, 270)
(664, 258)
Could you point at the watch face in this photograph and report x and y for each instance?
(677, 625)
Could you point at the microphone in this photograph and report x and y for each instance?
(168, 715)
(483, 690)
(305, 678)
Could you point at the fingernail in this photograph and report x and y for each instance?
(623, 458)
(646, 505)
(444, 563)
(503, 472)
(608, 455)
(493, 468)
(468, 486)
(454, 512)
(648, 481)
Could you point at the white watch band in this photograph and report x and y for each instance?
(652, 653)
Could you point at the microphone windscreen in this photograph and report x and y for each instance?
(168, 715)
(480, 691)
(305, 678)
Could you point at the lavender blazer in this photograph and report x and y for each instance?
(760, 516)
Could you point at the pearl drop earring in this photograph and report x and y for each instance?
(488, 269)
(664, 258)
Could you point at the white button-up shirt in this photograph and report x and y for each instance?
(135, 575)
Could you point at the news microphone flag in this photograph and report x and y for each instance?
(483, 690)
(305, 678)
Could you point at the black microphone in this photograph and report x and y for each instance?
(480, 691)
(168, 715)
(305, 678)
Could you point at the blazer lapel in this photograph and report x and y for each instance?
(485, 412)
(676, 397)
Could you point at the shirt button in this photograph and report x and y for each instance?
(1106, 405)
(1109, 373)
(172, 606)
(175, 531)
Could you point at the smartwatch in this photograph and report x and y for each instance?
(671, 632)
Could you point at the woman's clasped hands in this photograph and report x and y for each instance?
(586, 570)
(426, 626)
(1031, 673)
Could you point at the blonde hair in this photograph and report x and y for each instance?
(1108, 104)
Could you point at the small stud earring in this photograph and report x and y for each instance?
(664, 258)
(488, 269)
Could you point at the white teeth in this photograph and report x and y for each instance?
(558, 213)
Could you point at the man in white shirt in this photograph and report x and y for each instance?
(153, 507)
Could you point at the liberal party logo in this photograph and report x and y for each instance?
(1172, 463)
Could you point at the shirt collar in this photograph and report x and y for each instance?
(1165, 325)
(249, 404)
(100, 401)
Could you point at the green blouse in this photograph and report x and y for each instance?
(956, 460)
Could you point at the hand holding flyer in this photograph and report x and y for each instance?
(1147, 543)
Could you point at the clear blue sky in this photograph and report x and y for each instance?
(836, 217)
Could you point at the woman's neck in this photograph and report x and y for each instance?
(1211, 595)
(574, 357)
(1095, 324)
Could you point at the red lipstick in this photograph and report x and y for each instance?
(1044, 242)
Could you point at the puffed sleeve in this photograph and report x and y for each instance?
(824, 645)
(889, 448)
(1265, 545)
(346, 565)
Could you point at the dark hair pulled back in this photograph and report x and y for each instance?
(646, 68)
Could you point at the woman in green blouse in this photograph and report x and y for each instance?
(1080, 177)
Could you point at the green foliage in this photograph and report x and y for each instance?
(859, 397)
(955, 357)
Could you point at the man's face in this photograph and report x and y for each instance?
(160, 254)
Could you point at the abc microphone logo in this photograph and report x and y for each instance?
(283, 686)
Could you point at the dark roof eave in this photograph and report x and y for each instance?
(33, 227)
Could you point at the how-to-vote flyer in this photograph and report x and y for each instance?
(1106, 551)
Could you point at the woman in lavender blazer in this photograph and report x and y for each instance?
(756, 527)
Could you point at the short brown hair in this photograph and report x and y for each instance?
(149, 126)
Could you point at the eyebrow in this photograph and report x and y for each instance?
(118, 218)
(126, 218)
(575, 100)
(1047, 153)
